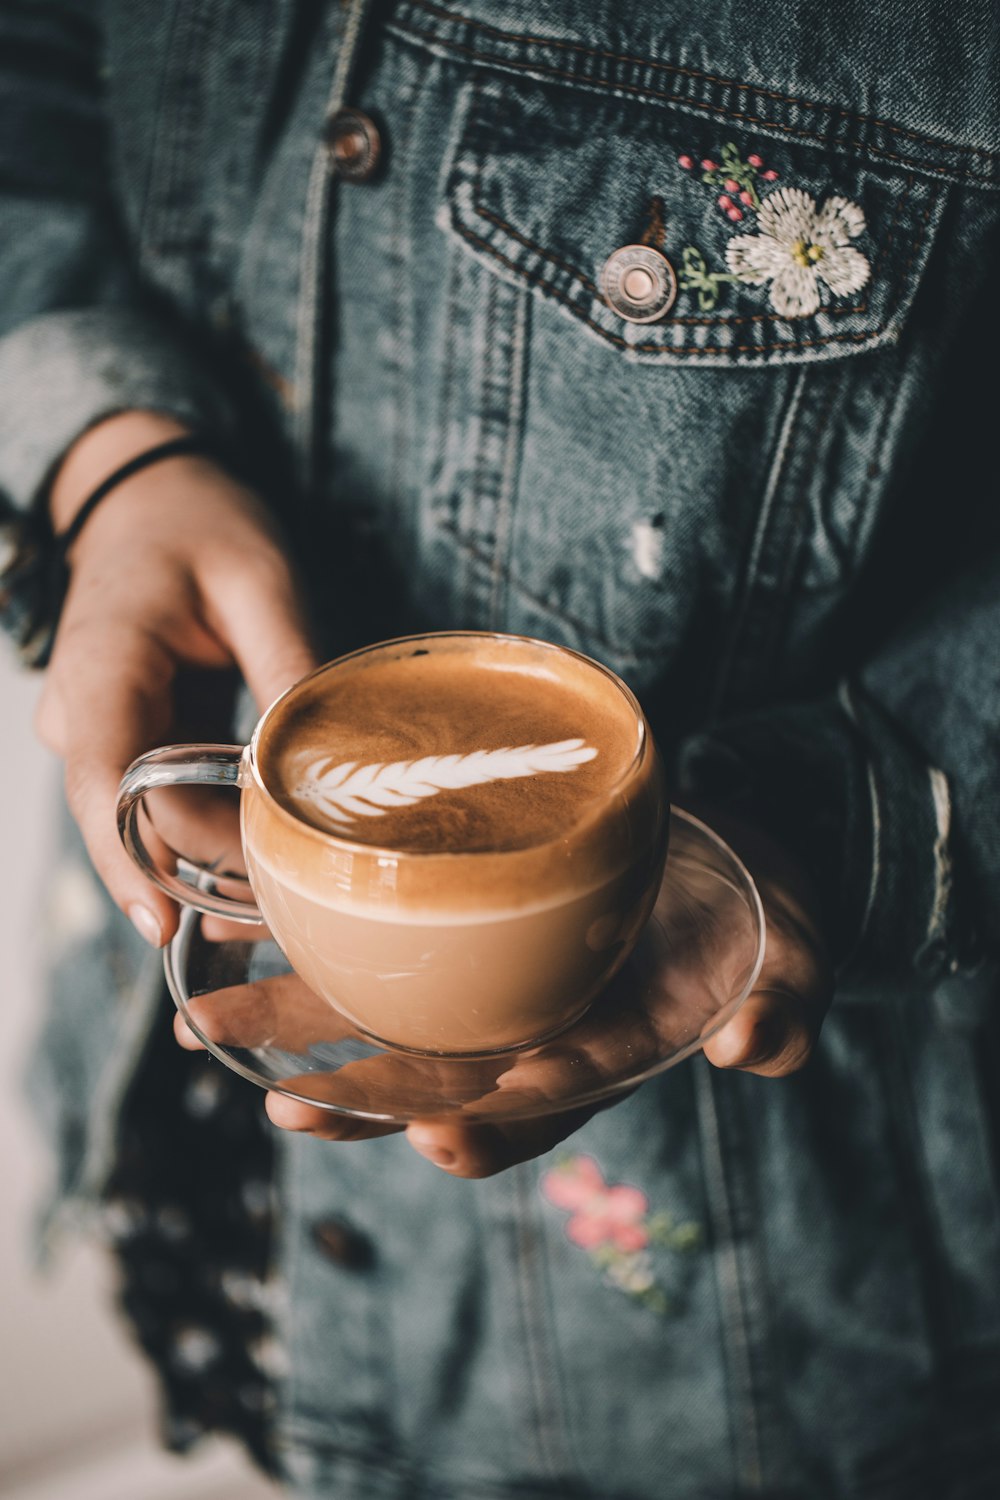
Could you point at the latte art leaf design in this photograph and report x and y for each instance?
(352, 790)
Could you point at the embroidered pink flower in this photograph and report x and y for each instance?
(799, 246)
(600, 1214)
(612, 1223)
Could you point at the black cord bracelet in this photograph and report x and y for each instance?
(36, 576)
(61, 543)
(173, 448)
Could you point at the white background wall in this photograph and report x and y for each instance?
(77, 1402)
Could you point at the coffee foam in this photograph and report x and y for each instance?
(462, 746)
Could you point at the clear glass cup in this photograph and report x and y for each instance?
(433, 952)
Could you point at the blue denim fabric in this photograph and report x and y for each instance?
(774, 527)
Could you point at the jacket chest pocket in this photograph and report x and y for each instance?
(686, 302)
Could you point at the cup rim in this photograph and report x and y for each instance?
(644, 742)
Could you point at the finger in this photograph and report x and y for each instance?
(772, 1034)
(476, 1151)
(112, 688)
(185, 1037)
(257, 611)
(324, 1124)
(278, 1011)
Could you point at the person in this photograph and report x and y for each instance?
(650, 330)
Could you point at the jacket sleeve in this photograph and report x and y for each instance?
(888, 786)
(78, 338)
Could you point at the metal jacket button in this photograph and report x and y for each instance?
(354, 144)
(639, 283)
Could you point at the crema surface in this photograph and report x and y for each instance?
(471, 745)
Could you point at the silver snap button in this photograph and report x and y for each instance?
(639, 283)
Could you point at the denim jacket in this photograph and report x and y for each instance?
(769, 509)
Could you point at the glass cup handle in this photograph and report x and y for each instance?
(193, 884)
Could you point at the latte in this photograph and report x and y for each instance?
(474, 747)
(456, 839)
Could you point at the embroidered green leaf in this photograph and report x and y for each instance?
(687, 1237)
(655, 1299)
(659, 1224)
(696, 277)
(681, 1238)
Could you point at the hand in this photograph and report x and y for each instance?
(179, 567)
(772, 1034)
(775, 1030)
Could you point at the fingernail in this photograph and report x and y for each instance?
(439, 1155)
(146, 925)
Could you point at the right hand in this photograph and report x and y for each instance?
(180, 566)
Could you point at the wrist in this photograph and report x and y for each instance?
(101, 450)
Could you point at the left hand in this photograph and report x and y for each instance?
(772, 1034)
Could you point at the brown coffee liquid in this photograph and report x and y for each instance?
(462, 746)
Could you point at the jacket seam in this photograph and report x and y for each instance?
(527, 1272)
(640, 91)
(729, 1283)
(401, 242)
(730, 83)
(146, 196)
(314, 272)
(164, 206)
(504, 509)
(478, 494)
(443, 513)
(876, 466)
(765, 517)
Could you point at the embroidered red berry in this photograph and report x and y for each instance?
(710, 166)
(687, 162)
(734, 213)
(770, 175)
(725, 202)
(746, 198)
(731, 185)
(755, 161)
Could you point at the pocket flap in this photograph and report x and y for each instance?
(774, 252)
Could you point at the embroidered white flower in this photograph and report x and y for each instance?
(800, 245)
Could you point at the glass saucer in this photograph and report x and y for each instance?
(695, 964)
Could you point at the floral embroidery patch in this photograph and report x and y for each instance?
(612, 1222)
(803, 249)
